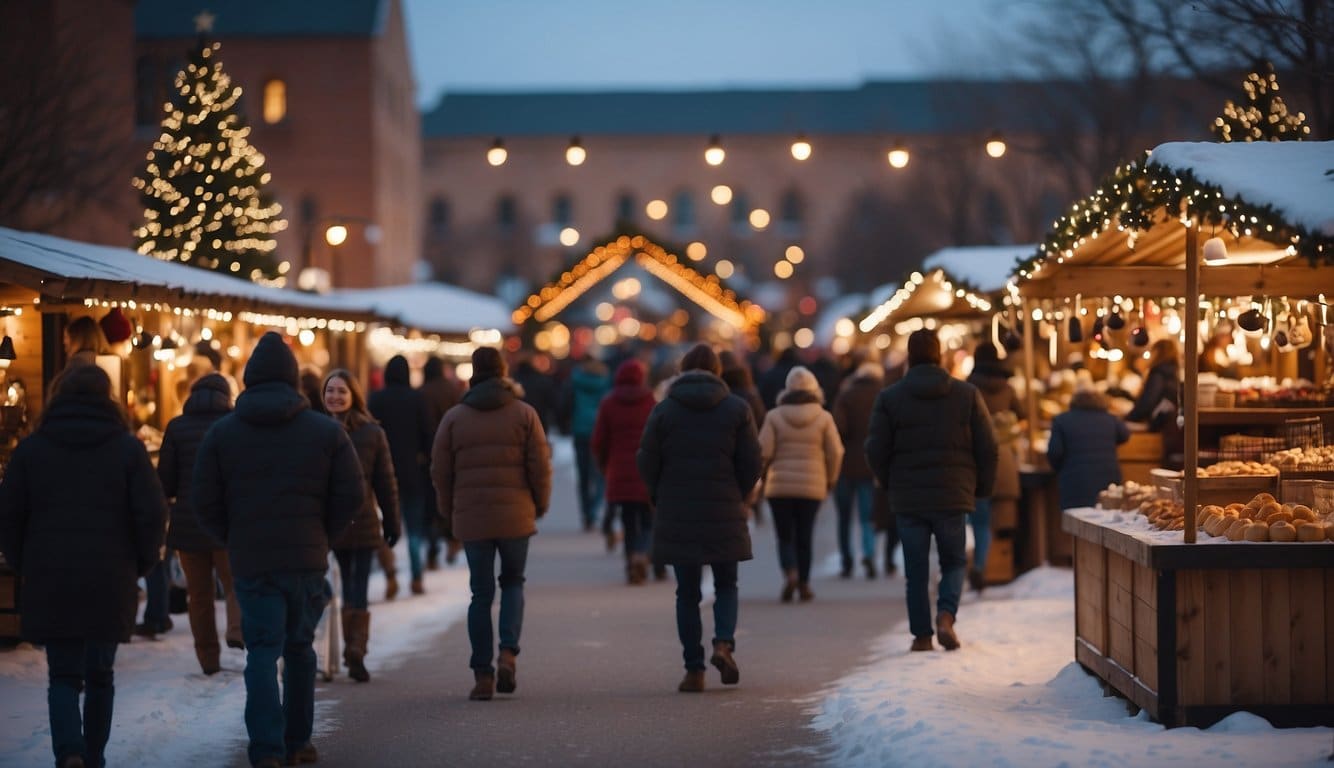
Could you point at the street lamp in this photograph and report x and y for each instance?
(898, 156)
(801, 148)
(995, 145)
(316, 279)
(497, 154)
(715, 155)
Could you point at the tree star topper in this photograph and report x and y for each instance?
(204, 22)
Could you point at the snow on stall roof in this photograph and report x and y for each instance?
(433, 307)
(75, 260)
(1290, 176)
(985, 267)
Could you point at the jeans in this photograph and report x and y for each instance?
(74, 667)
(689, 626)
(794, 522)
(980, 521)
(279, 612)
(155, 596)
(885, 517)
(413, 508)
(354, 568)
(845, 493)
(589, 480)
(916, 532)
(482, 579)
(202, 592)
(637, 520)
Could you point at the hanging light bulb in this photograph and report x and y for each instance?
(575, 154)
(898, 156)
(715, 155)
(801, 148)
(995, 145)
(497, 154)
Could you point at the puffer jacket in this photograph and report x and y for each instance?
(617, 431)
(210, 399)
(852, 414)
(587, 386)
(931, 444)
(368, 531)
(700, 458)
(491, 465)
(800, 445)
(1082, 450)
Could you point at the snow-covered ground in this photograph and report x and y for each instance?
(1013, 696)
(161, 696)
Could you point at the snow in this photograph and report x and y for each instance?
(1290, 176)
(433, 307)
(985, 267)
(161, 694)
(1013, 696)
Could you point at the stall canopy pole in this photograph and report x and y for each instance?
(1190, 393)
(1030, 390)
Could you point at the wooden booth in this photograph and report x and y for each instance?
(1187, 624)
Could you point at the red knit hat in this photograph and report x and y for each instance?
(116, 327)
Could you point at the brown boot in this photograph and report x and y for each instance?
(726, 665)
(418, 587)
(356, 636)
(945, 631)
(693, 682)
(304, 756)
(789, 586)
(505, 671)
(804, 592)
(922, 643)
(483, 687)
(390, 587)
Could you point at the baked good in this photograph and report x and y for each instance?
(1268, 510)
(1310, 532)
(1237, 530)
(1256, 532)
(1302, 512)
(1281, 531)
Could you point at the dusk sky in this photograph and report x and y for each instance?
(597, 44)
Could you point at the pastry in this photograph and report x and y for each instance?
(1256, 532)
(1282, 532)
(1310, 532)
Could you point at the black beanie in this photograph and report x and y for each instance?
(272, 360)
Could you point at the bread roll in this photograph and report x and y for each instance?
(1281, 531)
(1268, 510)
(1281, 515)
(1329, 532)
(1257, 532)
(1234, 508)
(1310, 532)
(1237, 530)
(1211, 509)
(1264, 498)
(1216, 525)
(1302, 512)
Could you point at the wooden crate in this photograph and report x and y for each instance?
(1194, 632)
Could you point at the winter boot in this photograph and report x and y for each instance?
(390, 587)
(693, 682)
(804, 592)
(307, 755)
(356, 636)
(789, 586)
(726, 665)
(976, 581)
(505, 682)
(72, 761)
(484, 685)
(418, 587)
(922, 643)
(433, 558)
(945, 631)
(869, 565)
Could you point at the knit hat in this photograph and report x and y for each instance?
(116, 327)
(800, 378)
(487, 364)
(272, 360)
(630, 373)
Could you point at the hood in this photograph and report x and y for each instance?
(396, 372)
(927, 382)
(1088, 400)
(433, 369)
(800, 397)
(272, 360)
(629, 373)
(82, 420)
(799, 411)
(270, 403)
(698, 390)
(491, 394)
(209, 394)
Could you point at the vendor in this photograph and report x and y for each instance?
(1159, 400)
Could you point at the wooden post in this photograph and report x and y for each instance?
(1030, 389)
(1190, 483)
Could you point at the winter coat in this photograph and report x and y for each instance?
(368, 531)
(852, 415)
(210, 399)
(82, 516)
(700, 458)
(491, 465)
(441, 394)
(1161, 384)
(403, 414)
(587, 386)
(930, 443)
(275, 482)
(539, 390)
(1082, 450)
(774, 380)
(994, 384)
(617, 431)
(800, 445)
(739, 381)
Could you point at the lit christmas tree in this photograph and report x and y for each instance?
(203, 186)
(1264, 116)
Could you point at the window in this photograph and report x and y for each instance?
(437, 218)
(791, 212)
(626, 208)
(683, 212)
(507, 214)
(562, 210)
(275, 101)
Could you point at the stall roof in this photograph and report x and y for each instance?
(984, 267)
(69, 270)
(933, 294)
(433, 307)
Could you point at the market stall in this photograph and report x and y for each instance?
(1198, 237)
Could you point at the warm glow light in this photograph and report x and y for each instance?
(844, 327)
(759, 218)
(898, 157)
(721, 194)
(497, 154)
(803, 338)
(783, 269)
(569, 236)
(723, 268)
(715, 155)
(335, 235)
(656, 209)
(696, 251)
(604, 311)
(575, 154)
(995, 145)
(306, 337)
(794, 254)
(801, 148)
(626, 289)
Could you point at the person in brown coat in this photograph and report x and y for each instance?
(492, 473)
(441, 393)
(355, 548)
(852, 414)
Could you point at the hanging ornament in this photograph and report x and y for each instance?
(1140, 335)
(1253, 322)
(1011, 341)
(1299, 328)
(1215, 251)
(1114, 320)
(1281, 327)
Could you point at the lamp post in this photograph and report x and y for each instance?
(316, 279)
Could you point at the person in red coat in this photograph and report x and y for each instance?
(616, 433)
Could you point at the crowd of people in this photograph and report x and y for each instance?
(253, 493)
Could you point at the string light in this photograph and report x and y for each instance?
(801, 148)
(497, 154)
(715, 155)
(878, 315)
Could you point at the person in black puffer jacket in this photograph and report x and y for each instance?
(931, 444)
(81, 518)
(406, 420)
(275, 483)
(700, 458)
(210, 399)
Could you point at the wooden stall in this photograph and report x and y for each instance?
(1194, 631)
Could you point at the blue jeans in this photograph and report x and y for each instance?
(845, 493)
(980, 521)
(413, 508)
(637, 521)
(279, 612)
(915, 531)
(74, 667)
(589, 480)
(155, 596)
(482, 579)
(689, 626)
(354, 569)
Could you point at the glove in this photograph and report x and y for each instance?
(391, 536)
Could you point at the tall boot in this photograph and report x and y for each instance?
(386, 557)
(356, 635)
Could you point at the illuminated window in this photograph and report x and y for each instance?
(275, 101)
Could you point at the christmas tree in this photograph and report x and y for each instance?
(203, 186)
(1263, 116)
